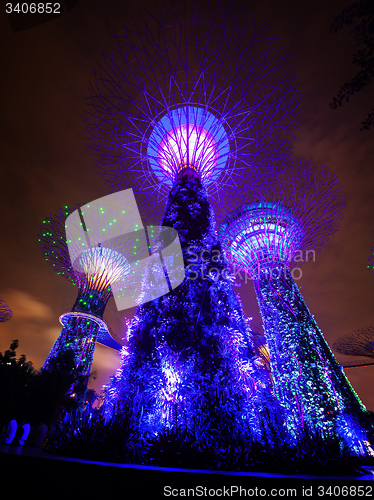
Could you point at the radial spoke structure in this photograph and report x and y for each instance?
(190, 87)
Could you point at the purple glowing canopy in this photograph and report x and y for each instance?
(188, 136)
(295, 213)
(265, 231)
(208, 77)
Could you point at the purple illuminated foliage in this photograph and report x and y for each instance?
(202, 88)
(184, 109)
(5, 311)
(190, 359)
(276, 227)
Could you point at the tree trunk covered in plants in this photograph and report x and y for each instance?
(187, 362)
(308, 381)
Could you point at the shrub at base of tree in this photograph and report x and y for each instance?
(119, 441)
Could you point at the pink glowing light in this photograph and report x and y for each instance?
(188, 145)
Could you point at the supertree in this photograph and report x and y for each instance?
(186, 107)
(281, 226)
(194, 87)
(71, 245)
(5, 311)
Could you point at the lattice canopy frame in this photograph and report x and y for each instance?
(206, 86)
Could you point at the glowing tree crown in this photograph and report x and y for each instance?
(268, 232)
(103, 266)
(188, 137)
(93, 270)
(296, 212)
(5, 311)
(88, 244)
(190, 88)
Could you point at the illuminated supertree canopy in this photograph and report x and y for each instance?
(279, 226)
(190, 89)
(5, 311)
(286, 221)
(357, 343)
(93, 270)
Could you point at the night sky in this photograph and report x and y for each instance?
(44, 165)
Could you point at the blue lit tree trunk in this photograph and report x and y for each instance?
(79, 335)
(308, 381)
(80, 329)
(187, 363)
